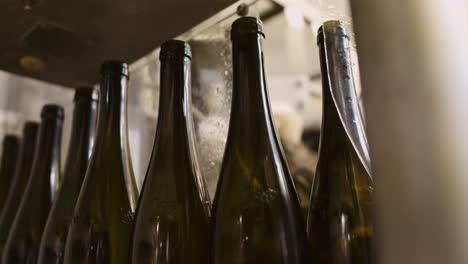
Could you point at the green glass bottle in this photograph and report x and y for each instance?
(172, 218)
(256, 215)
(55, 233)
(10, 149)
(103, 217)
(24, 238)
(339, 221)
(22, 173)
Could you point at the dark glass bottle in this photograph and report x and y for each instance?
(55, 233)
(172, 216)
(10, 151)
(103, 217)
(339, 221)
(22, 173)
(23, 241)
(256, 215)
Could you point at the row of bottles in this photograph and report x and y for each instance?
(92, 212)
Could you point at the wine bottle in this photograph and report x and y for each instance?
(172, 218)
(103, 217)
(20, 179)
(256, 217)
(10, 150)
(59, 220)
(24, 238)
(339, 220)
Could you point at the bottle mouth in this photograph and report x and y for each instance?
(85, 94)
(52, 111)
(115, 67)
(246, 26)
(175, 48)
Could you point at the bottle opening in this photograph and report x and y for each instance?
(245, 26)
(52, 111)
(175, 48)
(115, 67)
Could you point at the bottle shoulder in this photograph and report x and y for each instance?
(170, 174)
(105, 167)
(61, 212)
(171, 190)
(245, 184)
(258, 166)
(342, 191)
(104, 196)
(36, 197)
(339, 165)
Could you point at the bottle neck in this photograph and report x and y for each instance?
(80, 139)
(26, 155)
(175, 99)
(8, 161)
(112, 112)
(250, 112)
(46, 165)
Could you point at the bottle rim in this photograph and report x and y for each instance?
(175, 48)
(52, 111)
(246, 26)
